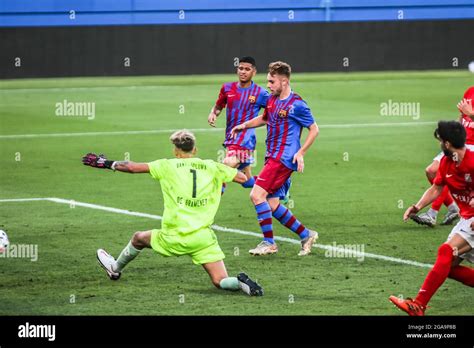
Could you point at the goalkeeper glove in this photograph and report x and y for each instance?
(97, 161)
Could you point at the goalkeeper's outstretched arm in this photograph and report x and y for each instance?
(100, 161)
(130, 167)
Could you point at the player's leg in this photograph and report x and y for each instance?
(231, 161)
(258, 195)
(221, 280)
(429, 218)
(461, 273)
(287, 219)
(114, 267)
(457, 244)
(250, 178)
(447, 253)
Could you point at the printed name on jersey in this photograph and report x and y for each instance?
(462, 198)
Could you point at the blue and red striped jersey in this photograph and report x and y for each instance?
(242, 104)
(285, 121)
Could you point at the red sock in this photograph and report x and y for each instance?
(448, 199)
(437, 275)
(442, 198)
(463, 274)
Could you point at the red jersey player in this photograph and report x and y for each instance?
(285, 116)
(429, 218)
(456, 171)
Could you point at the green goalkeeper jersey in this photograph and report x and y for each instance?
(192, 190)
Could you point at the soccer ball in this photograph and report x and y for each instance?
(471, 66)
(4, 242)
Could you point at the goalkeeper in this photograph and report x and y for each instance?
(191, 190)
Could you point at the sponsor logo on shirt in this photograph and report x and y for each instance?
(467, 178)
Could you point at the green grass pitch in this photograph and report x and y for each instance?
(355, 181)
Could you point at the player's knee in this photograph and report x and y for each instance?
(255, 197)
(137, 239)
(431, 171)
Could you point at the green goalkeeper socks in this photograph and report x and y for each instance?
(127, 255)
(230, 283)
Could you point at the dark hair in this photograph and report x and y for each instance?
(279, 68)
(183, 140)
(451, 131)
(248, 59)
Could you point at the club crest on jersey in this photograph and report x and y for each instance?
(283, 113)
(252, 99)
(467, 178)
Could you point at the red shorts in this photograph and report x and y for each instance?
(273, 175)
(243, 155)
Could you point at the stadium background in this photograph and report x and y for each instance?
(93, 38)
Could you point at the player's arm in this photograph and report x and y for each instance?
(253, 123)
(429, 196)
(215, 112)
(299, 156)
(466, 108)
(240, 178)
(101, 162)
(217, 108)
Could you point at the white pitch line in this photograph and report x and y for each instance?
(354, 254)
(168, 131)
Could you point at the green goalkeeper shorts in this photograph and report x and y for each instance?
(201, 245)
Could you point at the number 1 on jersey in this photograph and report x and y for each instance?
(193, 171)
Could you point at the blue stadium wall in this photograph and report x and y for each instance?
(100, 37)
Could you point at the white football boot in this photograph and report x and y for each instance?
(450, 217)
(264, 248)
(107, 262)
(307, 243)
(424, 219)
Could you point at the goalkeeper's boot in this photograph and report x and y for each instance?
(410, 306)
(107, 262)
(424, 219)
(307, 243)
(450, 217)
(248, 286)
(264, 248)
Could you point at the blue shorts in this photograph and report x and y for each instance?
(282, 191)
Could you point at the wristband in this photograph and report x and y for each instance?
(109, 164)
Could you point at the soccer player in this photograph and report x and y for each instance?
(191, 190)
(285, 115)
(243, 100)
(456, 171)
(429, 218)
